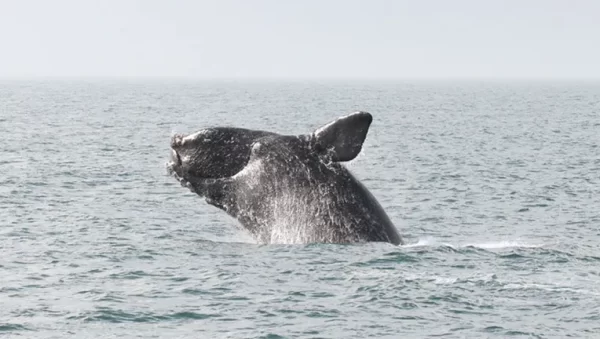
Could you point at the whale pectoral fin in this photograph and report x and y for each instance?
(343, 138)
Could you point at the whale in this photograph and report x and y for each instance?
(285, 189)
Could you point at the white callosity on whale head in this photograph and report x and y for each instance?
(183, 140)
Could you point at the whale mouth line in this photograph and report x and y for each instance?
(175, 158)
(174, 168)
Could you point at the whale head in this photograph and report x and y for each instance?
(222, 152)
(216, 152)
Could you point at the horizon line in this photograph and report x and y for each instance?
(304, 78)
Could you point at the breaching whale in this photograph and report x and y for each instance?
(285, 188)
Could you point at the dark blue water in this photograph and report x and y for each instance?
(495, 187)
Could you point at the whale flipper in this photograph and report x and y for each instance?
(343, 138)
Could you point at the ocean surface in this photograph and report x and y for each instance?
(495, 187)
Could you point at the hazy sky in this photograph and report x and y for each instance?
(301, 38)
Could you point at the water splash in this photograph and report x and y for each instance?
(424, 242)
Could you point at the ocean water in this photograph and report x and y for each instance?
(494, 186)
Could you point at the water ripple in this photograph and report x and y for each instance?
(493, 186)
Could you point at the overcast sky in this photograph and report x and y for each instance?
(301, 38)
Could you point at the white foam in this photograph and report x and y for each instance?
(445, 281)
(504, 244)
(427, 241)
(549, 288)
